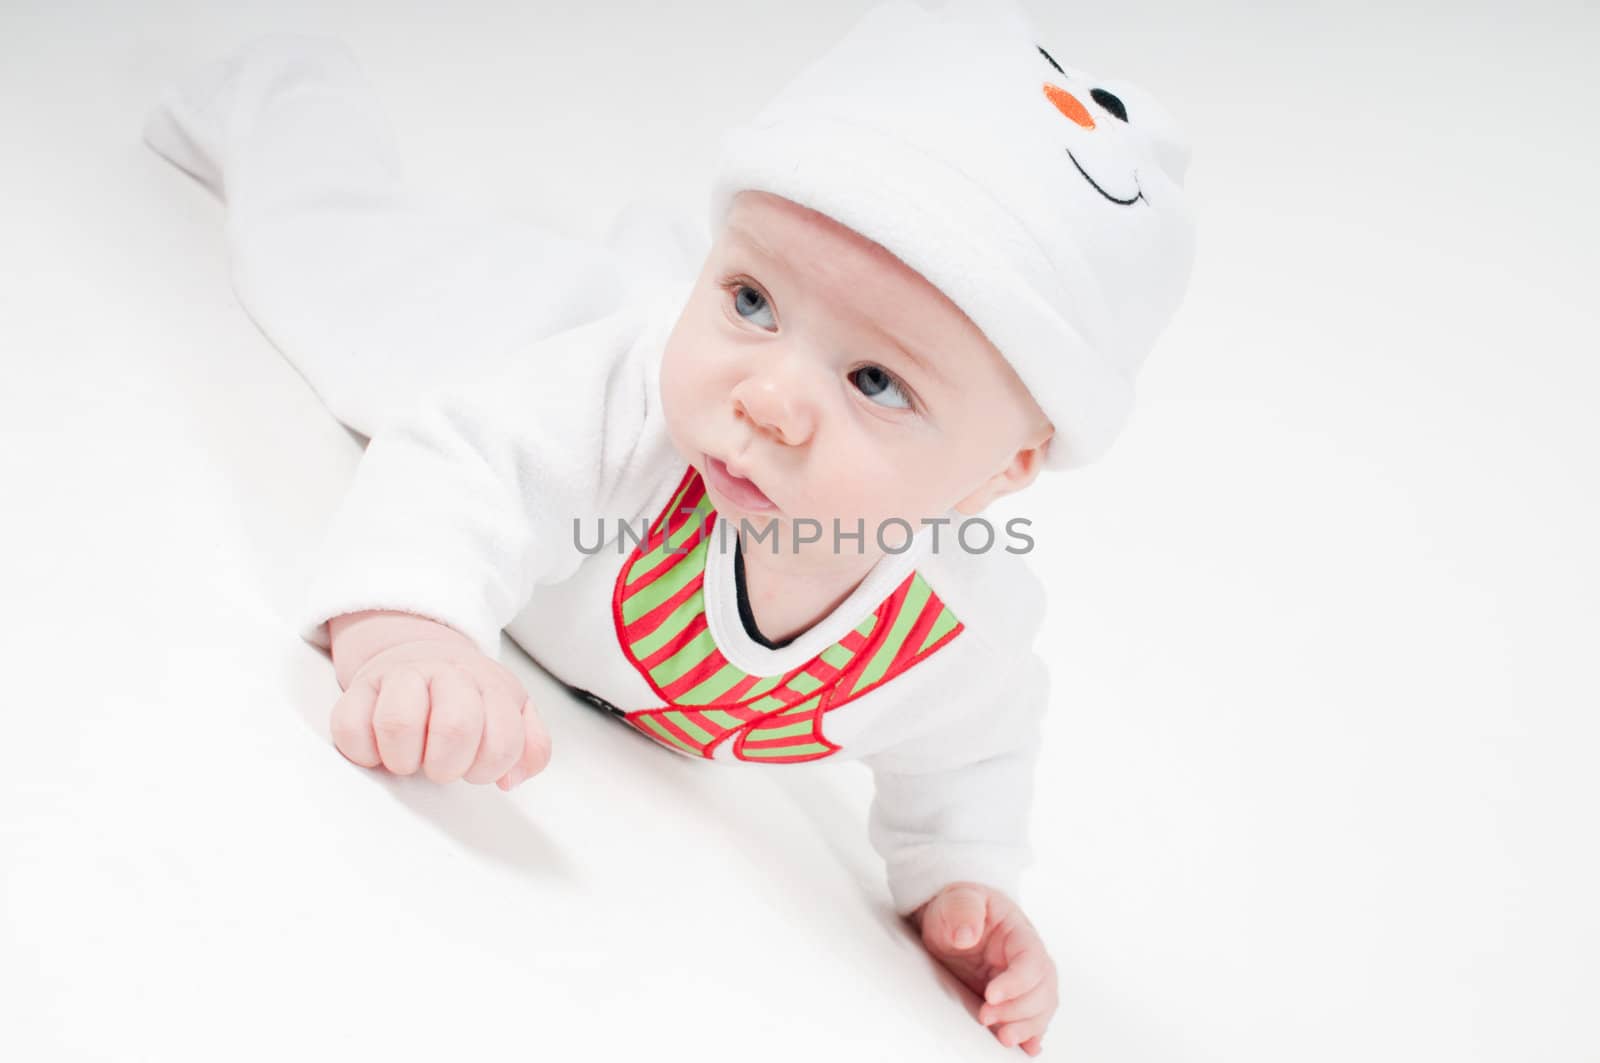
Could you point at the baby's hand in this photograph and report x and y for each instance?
(986, 941)
(435, 702)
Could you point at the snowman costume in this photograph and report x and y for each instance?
(508, 379)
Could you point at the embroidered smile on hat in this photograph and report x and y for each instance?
(1045, 202)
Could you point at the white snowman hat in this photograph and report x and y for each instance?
(1045, 202)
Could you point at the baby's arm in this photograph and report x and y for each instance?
(462, 505)
(950, 818)
(952, 803)
(458, 509)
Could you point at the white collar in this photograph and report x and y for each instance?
(721, 600)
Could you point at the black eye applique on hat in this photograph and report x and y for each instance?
(1070, 106)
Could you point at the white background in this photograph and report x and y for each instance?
(1320, 777)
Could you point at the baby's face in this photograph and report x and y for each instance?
(841, 382)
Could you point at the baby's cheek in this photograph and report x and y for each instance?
(873, 501)
(884, 489)
(678, 410)
(687, 367)
(693, 378)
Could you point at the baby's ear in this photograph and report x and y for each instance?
(1020, 471)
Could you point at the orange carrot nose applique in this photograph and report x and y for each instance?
(1068, 105)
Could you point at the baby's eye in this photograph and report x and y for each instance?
(874, 381)
(747, 301)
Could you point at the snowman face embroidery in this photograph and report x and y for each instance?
(1069, 104)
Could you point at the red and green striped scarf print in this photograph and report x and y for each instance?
(659, 611)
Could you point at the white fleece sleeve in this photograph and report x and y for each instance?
(465, 503)
(954, 804)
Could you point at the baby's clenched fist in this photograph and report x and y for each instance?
(432, 702)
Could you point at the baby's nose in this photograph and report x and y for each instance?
(1068, 105)
(777, 408)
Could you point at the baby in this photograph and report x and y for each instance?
(738, 511)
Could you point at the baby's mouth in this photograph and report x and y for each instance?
(743, 493)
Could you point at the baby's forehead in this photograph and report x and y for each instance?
(852, 276)
(809, 242)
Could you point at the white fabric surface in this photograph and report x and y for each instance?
(1318, 773)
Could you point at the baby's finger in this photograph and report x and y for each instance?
(1033, 1045)
(455, 726)
(1026, 966)
(399, 718)
(956, 918)
(1013, 1034)
(535, 749)
(1040, 1000)
(502, 742)
(351, 723)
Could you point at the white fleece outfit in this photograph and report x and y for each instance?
(508, 379)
